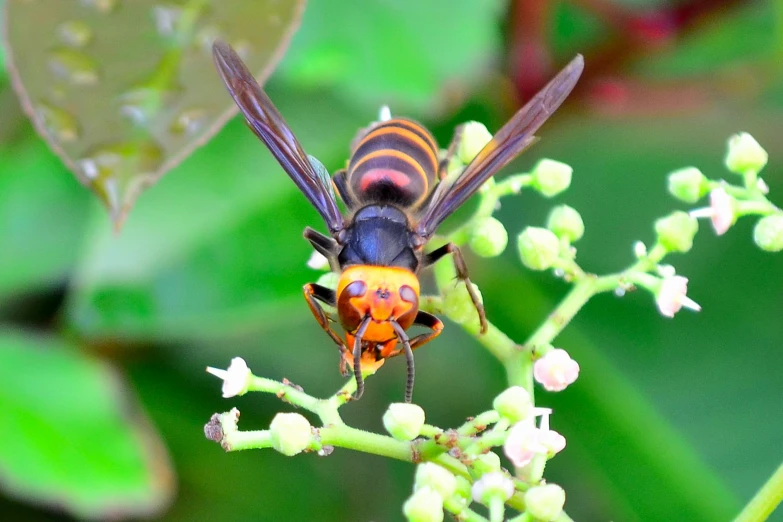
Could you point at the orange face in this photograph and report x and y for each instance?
(383, 293)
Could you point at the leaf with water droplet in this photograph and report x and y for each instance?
(124, 90)
(226, 226)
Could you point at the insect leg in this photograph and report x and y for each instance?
(357, 356)
(326, 246)
(341, 184)
(403, 337)
(314, 293)
(451, 151)
(462, 275)
(428, 321)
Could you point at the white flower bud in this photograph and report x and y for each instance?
(425, 505)
(539, 248)
(474, 137)
(551, 177)
(488, 237)
(435, 477)
(566, 223)
(768, 233)
(491, 485)
(403, 421)
(545, 502)
(318, 261)
(745, 154)
(514, 404)
(235, 379)
(291, 433)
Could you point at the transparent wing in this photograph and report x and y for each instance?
(511, 140)
(268, 124)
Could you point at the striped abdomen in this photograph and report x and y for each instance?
(395, 162)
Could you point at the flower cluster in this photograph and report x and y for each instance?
(728, 202)
(462, 466)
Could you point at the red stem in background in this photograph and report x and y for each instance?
(635, 33)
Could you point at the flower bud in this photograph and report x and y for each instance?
(425, 505)
(474, 137)
(556, 370)
(676, 231)
(688, 184)
(566, 223)
(745, 154)
(768, 233)
(403, 421)
(329, 280)
(639, 250)
(235, 379)
(513, 404)
(722, 211)
(491, 485)
(485, 463)
(551, 177)
(439, 479)
(672, 296)
(488, 238)
(291, 433)
(458, 305)
(545, 502)
(318, 261)
(539, 248)
(384, 114)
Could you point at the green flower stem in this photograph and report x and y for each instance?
(461, 512)
(765, 501)
(237, 440)
(497, 509)
(285, 392)
(344, 436)
(429, 431)
(479, 423)
(762, 208)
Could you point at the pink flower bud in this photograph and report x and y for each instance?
(556, 370)
(525, 440)
(721, 211)
(671, 296)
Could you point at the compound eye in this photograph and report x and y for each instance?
(354, 289)
(408, 294)
(350, 317)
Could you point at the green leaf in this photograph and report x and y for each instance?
(403, 52)
(43, 214)
(745, 35)
(71, 438)
(217, 247)
(123, 91)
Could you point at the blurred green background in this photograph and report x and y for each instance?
(104, 338)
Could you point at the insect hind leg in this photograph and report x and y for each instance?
(462, 274)
(340, 181)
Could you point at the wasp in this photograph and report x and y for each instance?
(396, 194)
